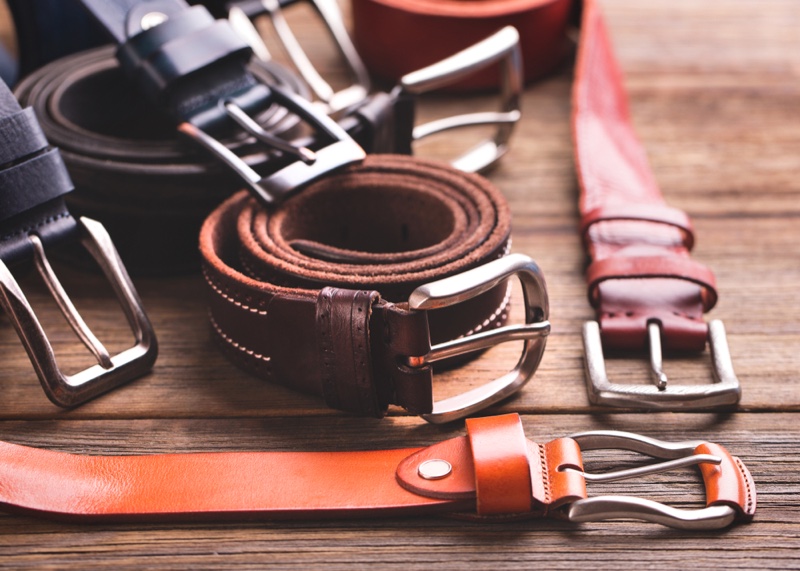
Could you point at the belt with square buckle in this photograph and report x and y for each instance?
(33, 182)
(494, 474)
(351, 289)
(645, 288)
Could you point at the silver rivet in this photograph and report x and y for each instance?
(434, 469)
(152, 19)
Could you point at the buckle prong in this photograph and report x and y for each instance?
(464, 286)
(248, 124)
(725, 390)
(675, 454)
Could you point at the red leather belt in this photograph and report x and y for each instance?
(329, 292)
(494, 471)
(395, 37)
(644, 286)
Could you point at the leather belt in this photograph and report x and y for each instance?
(644, 286)
(33, 217)
(395, 37)
(493, 474)
(327, 292)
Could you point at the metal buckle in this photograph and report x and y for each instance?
(112, 371)
(273, 188)
(464, 286)
(503, 47)
(676, 454)
(331, 15)
(724, 391)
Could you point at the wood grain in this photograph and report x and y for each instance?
(714, 91)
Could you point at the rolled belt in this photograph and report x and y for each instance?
(312, 294)
(131, 170)
(395, 37)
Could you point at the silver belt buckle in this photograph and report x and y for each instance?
(329, 11)
(675, 455)
(464, 286)
(111, 371)
(501, 47)
(725, 389)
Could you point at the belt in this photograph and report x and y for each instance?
(330, 292)
(493, 474)
(395, 37)
(153, 188)
(33, 217)
(642, 283)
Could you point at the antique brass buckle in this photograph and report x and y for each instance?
(724, 391)
(501, 47)
(111, 371)
(464, 286)
(675, 454)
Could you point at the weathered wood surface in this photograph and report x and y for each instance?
(714, 89)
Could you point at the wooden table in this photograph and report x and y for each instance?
(715, 94)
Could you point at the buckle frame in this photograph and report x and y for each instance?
(503, 47)
(464, 286)
(274, 188)
(331, 15)
(111, 371)
(676, 454)
(725, 389)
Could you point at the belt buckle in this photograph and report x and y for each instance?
(503, 47)
(111, 371)
(311, 165)
(331, 15)
(464, 286)
(725, 389)
(675, 455)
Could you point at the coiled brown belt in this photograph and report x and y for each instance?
(313, 294)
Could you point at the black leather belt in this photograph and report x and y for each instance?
(33, 217)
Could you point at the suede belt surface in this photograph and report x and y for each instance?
(311, 294)
(248, 485)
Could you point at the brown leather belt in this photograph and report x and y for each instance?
(395, 37)
(494, 474)
(642, 282)
(326, 292)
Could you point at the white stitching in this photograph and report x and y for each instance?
(235, 344)
(488, 321)
(235, 302)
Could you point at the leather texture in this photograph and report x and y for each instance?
(395, 37)
(294, 485)
(312, 294)
(640, 271)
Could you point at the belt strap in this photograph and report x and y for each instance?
(313, 294)
(395, 37)
(446, 478)
(33, 217)
(642, 283)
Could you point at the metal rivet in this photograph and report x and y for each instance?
(434, 469)
(152, 19)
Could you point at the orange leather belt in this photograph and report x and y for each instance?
(644, 286)
(395, 37)
(494, 471)
(329, 292)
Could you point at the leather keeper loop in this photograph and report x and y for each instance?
(660, 214)
(644, 267)
(502, 469)
(20, 136)
(33, 182)
(343, 318)
(728, 483)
